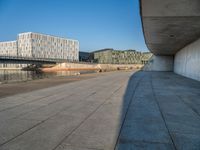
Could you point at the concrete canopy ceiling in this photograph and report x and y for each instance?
(169, 25)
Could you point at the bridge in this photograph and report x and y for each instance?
(29, 60)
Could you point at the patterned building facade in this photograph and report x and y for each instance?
(36, 45)
(111, 56)
(8, 48)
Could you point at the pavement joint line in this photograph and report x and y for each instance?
(24, 132)
(93, 77)
(156, 100)
(34, 100)
(89, 148)
(19, 95)
(188, 105)
(86, 118)
(37, 124)
(58, 100)
(37, 99)
(129, 104)
(26, 119)
(144, 141)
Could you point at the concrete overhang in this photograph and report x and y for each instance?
(169, 25)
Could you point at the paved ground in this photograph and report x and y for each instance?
(147, 110)
(27, 86)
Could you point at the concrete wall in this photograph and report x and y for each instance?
(187, 61)
(160, 63)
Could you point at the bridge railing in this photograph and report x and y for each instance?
(34, 59)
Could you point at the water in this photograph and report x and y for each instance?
(7, 76)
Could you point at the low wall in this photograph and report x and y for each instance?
(187, 61)
(82, 66)
(159, 63)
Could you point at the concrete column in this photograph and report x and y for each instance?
(160, 63)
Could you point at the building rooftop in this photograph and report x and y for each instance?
(47, 35)
(111, 49)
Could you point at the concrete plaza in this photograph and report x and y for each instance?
(118, 110)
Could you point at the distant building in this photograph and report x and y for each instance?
(36, 45)
(111, 56)
(86, 57)
(8, 48)
(145, 57)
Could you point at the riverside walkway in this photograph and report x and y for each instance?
(118, 110)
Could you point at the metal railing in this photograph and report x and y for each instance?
(32, 59)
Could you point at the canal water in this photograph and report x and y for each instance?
(7, 76)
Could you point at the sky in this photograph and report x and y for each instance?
(97, 24)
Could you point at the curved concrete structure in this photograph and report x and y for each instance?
(172, 28)
(170, 25)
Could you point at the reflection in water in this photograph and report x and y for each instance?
(19, 75)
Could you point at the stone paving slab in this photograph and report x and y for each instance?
(135, 145)
(14, 127)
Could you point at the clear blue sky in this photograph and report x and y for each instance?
(96, 24)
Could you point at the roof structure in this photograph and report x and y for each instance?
(169, 25)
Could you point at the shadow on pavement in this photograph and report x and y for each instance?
(161, 110)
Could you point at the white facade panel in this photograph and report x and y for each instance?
(8, 48)
(24, 45)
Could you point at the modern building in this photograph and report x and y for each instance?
(8, 48)
(36, 45)
(172, 33)
(111, 56)
(86, 57)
